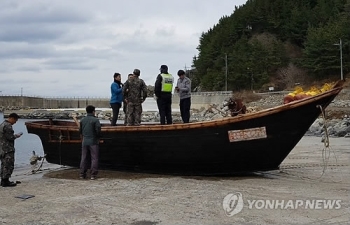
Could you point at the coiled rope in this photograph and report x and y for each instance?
(35, 166)
(326, 151)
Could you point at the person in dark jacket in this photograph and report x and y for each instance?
(90, 130)
(162, 90)
(116, 97)
(7, 149)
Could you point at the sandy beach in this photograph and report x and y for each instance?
(311, 173)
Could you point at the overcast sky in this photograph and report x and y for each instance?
(73, 48)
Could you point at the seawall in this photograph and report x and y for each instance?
(203, 99)
(198, 100)
(51, 103)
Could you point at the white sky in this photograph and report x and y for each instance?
(73, 48)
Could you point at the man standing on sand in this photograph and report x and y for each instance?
(7, 149)
(90, 130)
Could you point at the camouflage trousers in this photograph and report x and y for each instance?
(125, 105)
(133, 114)
(7, 165)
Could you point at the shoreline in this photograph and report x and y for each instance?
(141, 198)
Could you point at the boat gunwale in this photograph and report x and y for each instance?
(194, 125)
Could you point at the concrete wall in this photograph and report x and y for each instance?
(203, 99)
(198, 100)
(19, 101)
(36, 102)
(75, 103)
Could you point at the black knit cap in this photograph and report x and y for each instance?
(163, 68)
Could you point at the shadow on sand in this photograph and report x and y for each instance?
(73, 174)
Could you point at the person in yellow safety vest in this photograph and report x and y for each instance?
(162, 90)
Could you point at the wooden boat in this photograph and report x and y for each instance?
(251, 142)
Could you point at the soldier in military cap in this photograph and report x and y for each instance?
(125, 104)
(135, 92)
(7, 149)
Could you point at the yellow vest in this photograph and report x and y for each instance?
(167, 82)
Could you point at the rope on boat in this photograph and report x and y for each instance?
(238, 111)
(326, 151)
(60, 148)
(34, 162)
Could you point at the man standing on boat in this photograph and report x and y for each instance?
(135, 92)
(116, 97)
(162, 90)
(90, 130)
(183, 87)
(7, 149)
(125, 104)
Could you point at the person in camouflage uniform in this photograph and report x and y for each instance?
(124, 102)
(135, 92)
(7, 149)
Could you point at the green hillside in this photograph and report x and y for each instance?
(274, 43)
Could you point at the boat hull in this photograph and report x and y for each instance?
(251, 142)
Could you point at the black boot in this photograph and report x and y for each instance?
(6, 183)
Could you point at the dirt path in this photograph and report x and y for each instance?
(144, 199)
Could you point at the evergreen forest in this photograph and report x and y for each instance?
(274, 43)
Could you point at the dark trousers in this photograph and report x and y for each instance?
(89, 152)
(115, 108)
(164, 107)
(185, 106)
(7, 165)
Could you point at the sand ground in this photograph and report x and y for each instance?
(145, 199)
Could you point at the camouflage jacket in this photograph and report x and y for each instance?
(7, 138)
(135, 91)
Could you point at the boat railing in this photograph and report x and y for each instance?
(212, 93)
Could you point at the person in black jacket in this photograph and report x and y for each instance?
(162, 90)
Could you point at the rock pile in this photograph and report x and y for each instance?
(333, 127)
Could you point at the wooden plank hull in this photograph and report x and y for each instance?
(251, 142)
